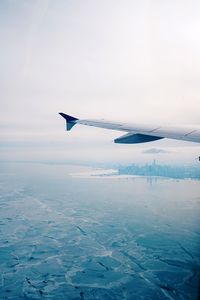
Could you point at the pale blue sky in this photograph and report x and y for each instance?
(135, 61)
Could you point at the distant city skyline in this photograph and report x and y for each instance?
(161, 170)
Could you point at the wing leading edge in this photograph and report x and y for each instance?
(138, 133)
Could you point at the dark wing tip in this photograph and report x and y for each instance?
(68, 117)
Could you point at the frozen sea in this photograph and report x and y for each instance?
(67, 233)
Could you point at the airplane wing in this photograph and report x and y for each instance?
(138, 133)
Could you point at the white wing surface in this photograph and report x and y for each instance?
(138, 133)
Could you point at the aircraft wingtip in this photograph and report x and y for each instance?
(70, 121)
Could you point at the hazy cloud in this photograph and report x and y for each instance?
(130, 60)
(155, 151)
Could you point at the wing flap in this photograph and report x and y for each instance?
(132, 138)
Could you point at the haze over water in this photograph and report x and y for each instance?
(96, 237)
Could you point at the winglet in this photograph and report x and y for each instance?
(70, 121)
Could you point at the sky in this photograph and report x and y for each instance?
(133, 61)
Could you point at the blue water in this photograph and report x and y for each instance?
(65, 237)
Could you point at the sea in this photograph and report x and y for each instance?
(84, 233)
